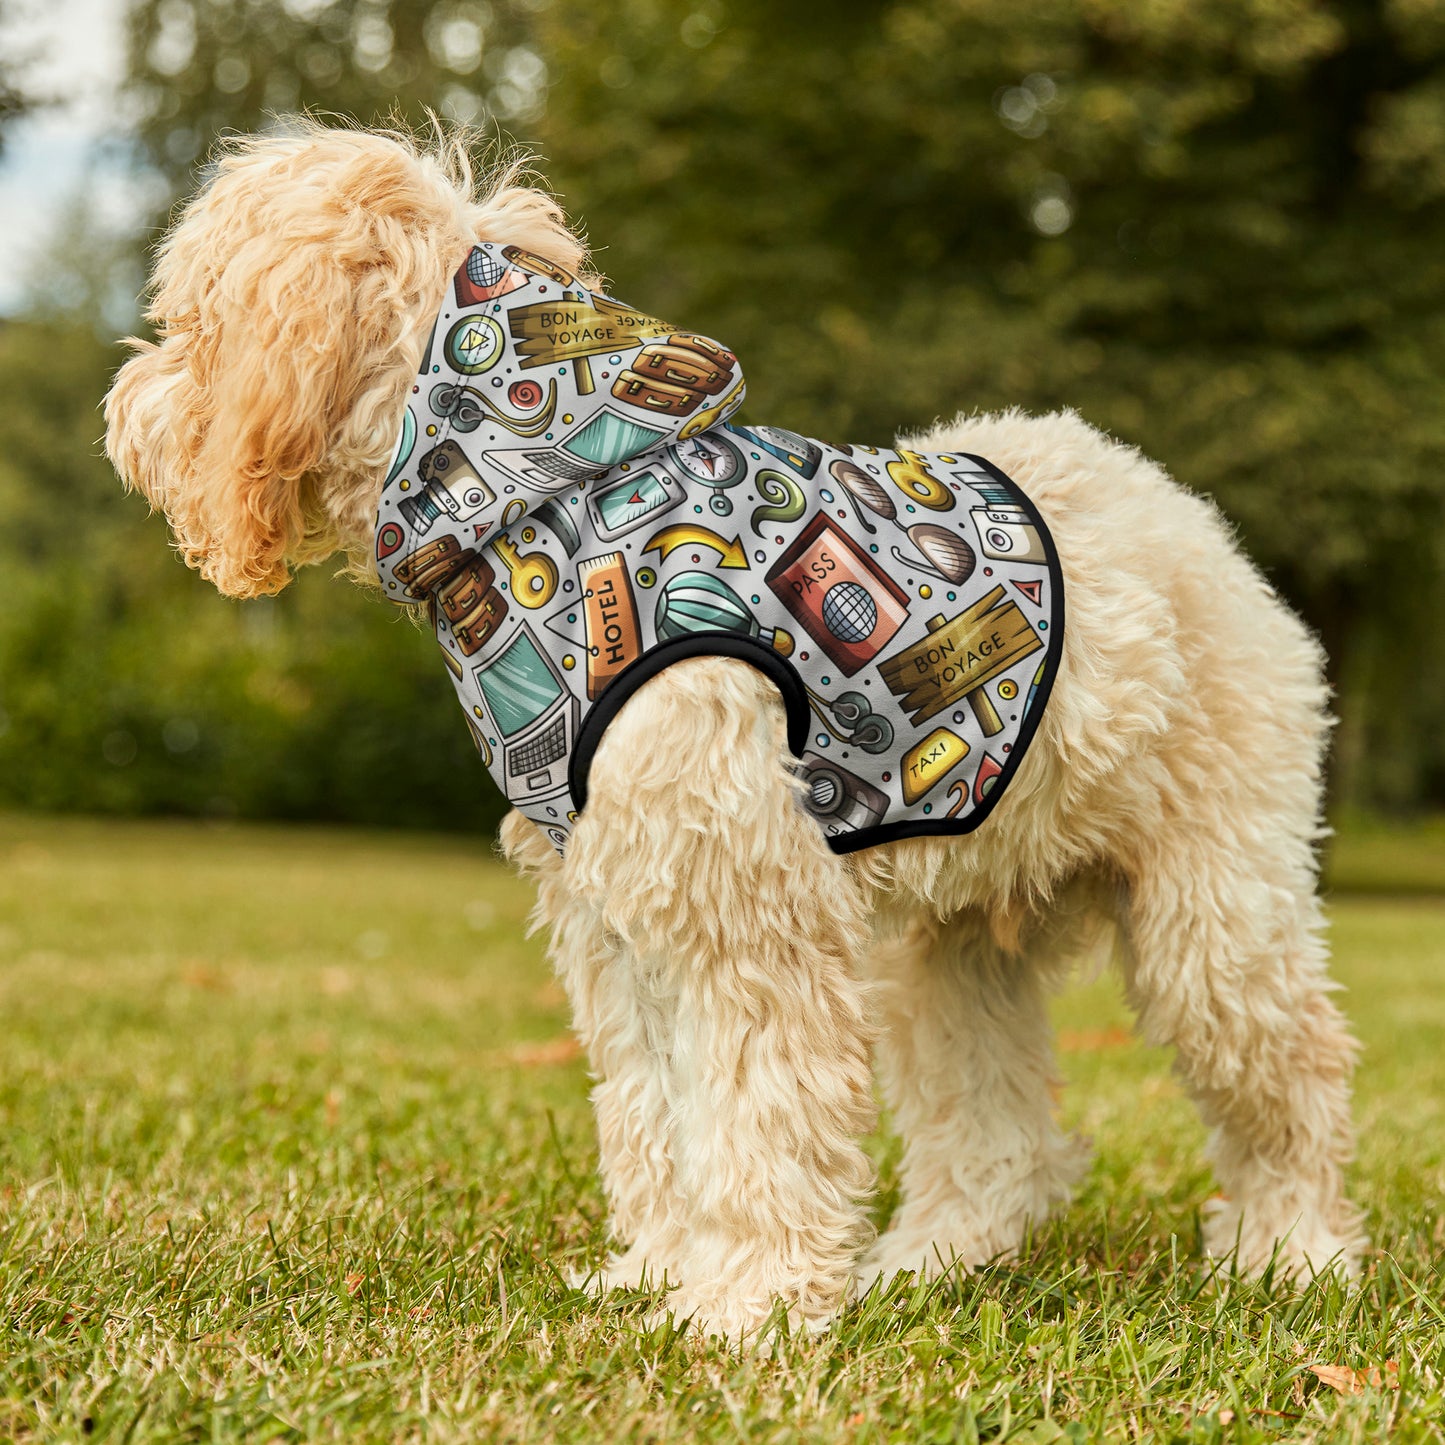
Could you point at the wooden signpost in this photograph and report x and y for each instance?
(569, 329)
(958, 657)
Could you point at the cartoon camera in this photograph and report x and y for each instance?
(452, 486)
(1005, 529)
(836, 796)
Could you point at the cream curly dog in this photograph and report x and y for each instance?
(730, 1027)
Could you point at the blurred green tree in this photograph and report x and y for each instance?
(128, 685)
(14, 99)
(1216, 227)
(202, 67)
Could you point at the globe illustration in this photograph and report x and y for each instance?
(483, 269)
(849, 613)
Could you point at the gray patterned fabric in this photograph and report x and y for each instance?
(571, 500)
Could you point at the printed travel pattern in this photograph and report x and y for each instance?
(572, 502)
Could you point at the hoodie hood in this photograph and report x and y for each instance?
(533, 386)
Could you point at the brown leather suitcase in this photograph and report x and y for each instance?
(464, 592)
(681, 366)
(720, 356)
(655, 395)
(474, 629)
(428, 565)
(531, 261)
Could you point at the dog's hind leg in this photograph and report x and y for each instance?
(1226, 959)
(745, 931)
(966, 1062)
(1227, 964)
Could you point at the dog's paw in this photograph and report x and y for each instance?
(899, 1252)
(751, 1324)
(634, 1270)
(964, 1229)
(1298, 1245)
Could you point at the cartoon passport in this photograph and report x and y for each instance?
(831, 585)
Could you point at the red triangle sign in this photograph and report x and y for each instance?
(481, 529)
(1034, 591)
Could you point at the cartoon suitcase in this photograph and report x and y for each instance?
(681, 366)
(420, 571)
(655, 395)
(472, 604)
(672, 377)
(719, 355)
(540, 265)
(479, 624)
(464, 592)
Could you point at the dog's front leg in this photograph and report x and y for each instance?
(743, 931)
(622, 1013)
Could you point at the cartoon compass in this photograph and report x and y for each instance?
(715, 462)
(474, 344)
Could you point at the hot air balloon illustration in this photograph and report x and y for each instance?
(698, 602)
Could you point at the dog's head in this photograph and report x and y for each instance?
(291, 302)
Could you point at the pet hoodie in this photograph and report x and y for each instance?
(573, 504)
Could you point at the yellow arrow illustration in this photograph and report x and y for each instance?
(733, 553)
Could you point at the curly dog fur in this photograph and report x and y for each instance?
(731, 1027)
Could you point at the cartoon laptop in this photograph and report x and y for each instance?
(597, 445)
(535, 715)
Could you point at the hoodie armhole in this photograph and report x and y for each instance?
(771, 664)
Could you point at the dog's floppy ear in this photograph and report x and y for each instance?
(219, 423)
(291, 302)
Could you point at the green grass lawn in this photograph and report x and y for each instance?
(292, 1146)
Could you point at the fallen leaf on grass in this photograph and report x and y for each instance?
(1355, 1382)
(1084, 1041)
(551, 1051)
(354, 1283)
(202, 975)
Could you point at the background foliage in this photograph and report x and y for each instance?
(1216, 227)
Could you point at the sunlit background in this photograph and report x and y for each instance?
(1216, 230)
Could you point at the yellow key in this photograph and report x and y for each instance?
(534, 577)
